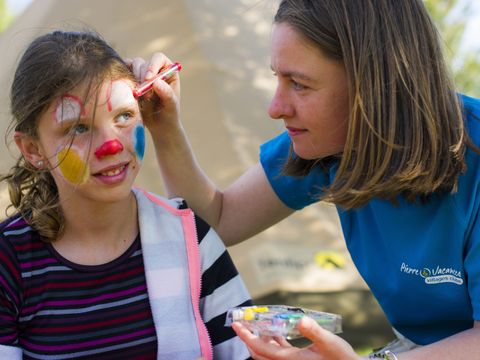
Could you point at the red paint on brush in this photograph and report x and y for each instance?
(164, 75)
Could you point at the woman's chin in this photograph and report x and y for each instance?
(306, 154)
(313, 154)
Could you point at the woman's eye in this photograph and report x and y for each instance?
(79, 129)
(124, 117)
(298, 86)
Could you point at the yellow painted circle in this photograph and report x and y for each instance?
(72, 166)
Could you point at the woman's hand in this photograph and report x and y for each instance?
(160, 106)
(325, 345)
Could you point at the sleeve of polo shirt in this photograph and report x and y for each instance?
(295, 192)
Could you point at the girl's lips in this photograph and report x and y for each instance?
(112, 174)
(112, 168)
(294, 131)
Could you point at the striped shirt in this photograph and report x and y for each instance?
(52, 308)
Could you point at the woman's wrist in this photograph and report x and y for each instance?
(166, 134)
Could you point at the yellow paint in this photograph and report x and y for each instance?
(248, 314)
(72, 166)
(260, 309)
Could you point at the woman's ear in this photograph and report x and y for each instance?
(30, 149)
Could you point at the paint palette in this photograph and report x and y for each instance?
(280, 320)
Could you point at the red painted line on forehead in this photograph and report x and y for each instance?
(109, 96)
(110, 147)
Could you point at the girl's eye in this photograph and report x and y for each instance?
(124, 117)
(79, 129)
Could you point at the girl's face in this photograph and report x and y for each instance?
(311, 95)
(94, 150)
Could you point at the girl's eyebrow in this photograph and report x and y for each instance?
(69, 120)
(65, 123)
(130, 106)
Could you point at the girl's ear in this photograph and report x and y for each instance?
(30, 149)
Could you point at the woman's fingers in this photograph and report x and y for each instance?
(145, 70)
(265, 347)
(158, 62)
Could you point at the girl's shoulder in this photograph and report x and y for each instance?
(16, 238)
(13, 225)
(16, 233)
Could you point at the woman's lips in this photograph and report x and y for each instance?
(294, 131)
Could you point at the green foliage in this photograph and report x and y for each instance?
(5, 16)
(450, 17)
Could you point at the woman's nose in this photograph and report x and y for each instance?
(279, 108)
(110, 147)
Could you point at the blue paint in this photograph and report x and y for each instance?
(139, 140)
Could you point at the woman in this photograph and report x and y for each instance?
(375, 126)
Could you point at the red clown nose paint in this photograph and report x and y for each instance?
(110, 147)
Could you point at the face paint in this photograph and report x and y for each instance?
(119, 93)
(110, 147)
(139, 140)
(109, 96)
(69, 107)
(72, 166)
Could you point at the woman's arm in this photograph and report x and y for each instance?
(245, 208)
(464, 345)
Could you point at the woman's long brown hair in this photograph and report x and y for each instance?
(406, 131)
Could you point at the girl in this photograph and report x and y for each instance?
(90, 268)
(375, 126)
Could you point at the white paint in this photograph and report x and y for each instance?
(121, 95)
(69, 107)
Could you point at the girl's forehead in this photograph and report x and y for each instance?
(111, 94)
(118, 93)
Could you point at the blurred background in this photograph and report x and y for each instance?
(226, 86)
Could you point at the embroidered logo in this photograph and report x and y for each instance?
(435, 275)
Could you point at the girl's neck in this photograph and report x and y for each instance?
(98, 233)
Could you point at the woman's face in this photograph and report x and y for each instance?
(93, 149)
(311, 95)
